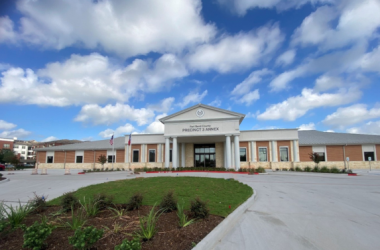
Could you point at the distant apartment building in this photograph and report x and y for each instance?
(6, 143)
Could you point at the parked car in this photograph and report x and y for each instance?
(9, 166)
(2, 167)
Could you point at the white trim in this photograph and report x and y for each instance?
(258, 155)
(49, 153)
(279, 149)
(367, 148)
(138, 150)
(155, 156)
(246, 154)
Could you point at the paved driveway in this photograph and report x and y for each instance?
(291, 211)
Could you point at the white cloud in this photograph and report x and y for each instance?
(310, 126)
(286, 58)
(326, 82)
(6, 30)
(358, 21)
(242, 6)
(112, 113)
(297, 106)
(156, 127)
(238, 52)
(368, 128)
(126, 28)
(122, 130)
(249, 98)
(216, 103)
(164, 105)
(50, 138)
(371, 60)
(19, 133)
(354, 114)
(330, 131)
(250, 115)
(89, 79)
(253, 78)
(192, 97)
(6, 125)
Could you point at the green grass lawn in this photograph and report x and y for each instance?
(220, 193)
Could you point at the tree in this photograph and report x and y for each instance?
(102, 159)
(6, 155)
(315, 158)
(14, 161)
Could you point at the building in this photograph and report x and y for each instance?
(21, 149)
(6, 143)
(205, 136)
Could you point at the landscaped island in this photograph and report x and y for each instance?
(182, 209)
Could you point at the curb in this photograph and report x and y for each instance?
(6, 180)
(217, 234)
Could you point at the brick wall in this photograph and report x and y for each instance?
(243, 144)
(304, 153)
(335, 153)
(59, 157)
(136, 146)
(354, 152)
(120, 156)
(263, 144)
(88, 157)
(70, 157)
(99, 153)
(152, 146)
(284, 144)
(6, 142)
(41, 157)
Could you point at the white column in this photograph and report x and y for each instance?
(228, 151)
(232, 154)
(175, 152)
(183, 154)
(167, 152)
(178, 149)
(225, 155)
(126, 153)
(237, 152)
(295, 151)
(253, 151)
(274, 151)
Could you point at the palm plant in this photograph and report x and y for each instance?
(183, 219)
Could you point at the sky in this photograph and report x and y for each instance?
(84, 69)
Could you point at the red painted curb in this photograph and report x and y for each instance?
(195, 171)
(353, 174)
(81, 173)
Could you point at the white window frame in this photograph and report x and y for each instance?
(365, 149)
(246, 154)
(79, 153)
(49, 154)
(154, 155)
(258, 154)
(320, 149)
(279, 150)
(137, 154)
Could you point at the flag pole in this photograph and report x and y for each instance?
(113, 149)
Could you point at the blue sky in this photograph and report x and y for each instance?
(85, 69)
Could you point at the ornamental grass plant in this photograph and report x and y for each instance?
(148, 224)
(15, 215)
(183, 219)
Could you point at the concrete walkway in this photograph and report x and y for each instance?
(291, 210)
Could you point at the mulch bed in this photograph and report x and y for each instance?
(169, 235)
(2, 178)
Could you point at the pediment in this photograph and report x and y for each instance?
(202, 112)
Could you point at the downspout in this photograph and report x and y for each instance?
(344, 156)
(64, 163)
(94, 161)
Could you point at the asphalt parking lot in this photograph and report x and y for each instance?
(291, 210)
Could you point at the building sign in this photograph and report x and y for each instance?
(200, 112)
(200, 128)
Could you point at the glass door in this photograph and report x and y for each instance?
(204, 155)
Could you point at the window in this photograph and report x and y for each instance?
(152, 155)
(284, 154)
(79, 159)
(23, 147)
(171, 155)
(368, 155)
(13, 147)
(111, 158)
(135, 157)
(50, 159)
(23, 152)
(7, 145)
(243, 154)
(322, 156)
(263, 155)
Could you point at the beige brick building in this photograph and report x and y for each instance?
(205, 136)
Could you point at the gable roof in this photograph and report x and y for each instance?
(200, 105)
(119, 143)
(314, 137)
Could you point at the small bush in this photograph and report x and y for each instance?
(148, 224)
(284, 169)
(85, 238)
(316, 169)
(324, 170)
(308, 169)
(183, 220)
(77, 220)
(90, 206)
(260, 170)
(298, 169)
(135, 201)
(103, 201)
(199, 208)
(38, 203)
(1, 175)
(334, 170)
(36, 234)
(168, 202)
(291, 169)
(69, 201)
(134, 244)
(15, 215)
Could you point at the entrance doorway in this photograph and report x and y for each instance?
(204, 155)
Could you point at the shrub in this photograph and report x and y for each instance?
(38, 203)
(119, 212)
(85, 238)
(316, 169)
(298, 169)
(15, 215)
(334, 170)
(168, 202)
(134, 244)
(284, 169)
(148, 224)
(260, 170)
(324, 170)
(69, 201)
(183, 220)
(77, 220)
(36, 234)
(1, 175)
(291, 169)
(199, 208)
(103, 200)
(90, 206)
(308, 169)
(135, 201)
